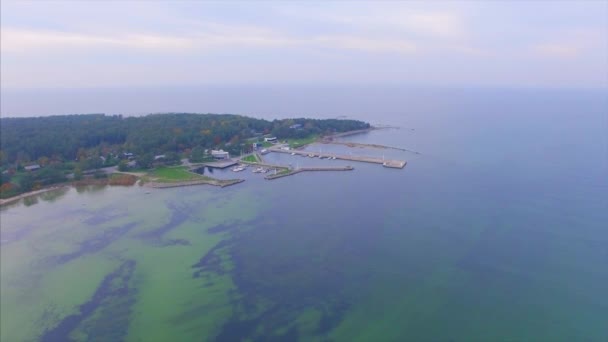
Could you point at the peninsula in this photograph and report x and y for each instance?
(41, 152)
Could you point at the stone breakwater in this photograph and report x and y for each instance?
(214, 182)
(305, 169)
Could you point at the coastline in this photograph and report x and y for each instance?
(83, 182)
(160, 185)
(16, 198)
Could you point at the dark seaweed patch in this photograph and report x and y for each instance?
(211, 262)
(102, 217)
(239, 330)
(8, 237)
(332, 317)
(178, 216)
(220, 228)
(112, 301)
(95, 244)
(176, 242)
(281, 272)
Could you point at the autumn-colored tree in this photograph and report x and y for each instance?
(6, 187)
(43, 161)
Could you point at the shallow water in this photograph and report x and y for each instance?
(496, 231)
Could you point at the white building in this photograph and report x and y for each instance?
(220, 154)
(270, 139)
(33, 167)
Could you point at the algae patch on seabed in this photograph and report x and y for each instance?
(113, 270)
(108, 307)
(171, 303)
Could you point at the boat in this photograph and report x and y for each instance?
(311, 155)
(293, 153)
(238, 169)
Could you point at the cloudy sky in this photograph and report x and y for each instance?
(48, 44)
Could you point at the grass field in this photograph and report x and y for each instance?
(295, 143)
(251, 158)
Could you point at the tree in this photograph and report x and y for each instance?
(77, 173)
(123, 166)
(172, 158)
(198, 155)
(145, 161)
(26, 183)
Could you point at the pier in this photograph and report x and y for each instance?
(353, 144)
(266, 165)
(305, 169)
(398, 164)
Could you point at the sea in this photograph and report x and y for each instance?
(495, 230)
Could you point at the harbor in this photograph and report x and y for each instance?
(256, 163)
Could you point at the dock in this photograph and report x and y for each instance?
(353, 144)
(221, 164)
(397, 164)
(308, 169)
(266, 165)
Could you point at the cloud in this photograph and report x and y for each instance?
(559, 50)
(437, 24)
(210, 36)
(23, 41)
(365, 44)
(572, 43)
(395, 20)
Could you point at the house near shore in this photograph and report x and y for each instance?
(220, 154)
(32, 167)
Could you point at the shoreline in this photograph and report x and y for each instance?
(161, 185)
(5, 201)
(75, 183)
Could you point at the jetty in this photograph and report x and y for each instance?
(377, 146)
(266, 165)
(305, 169)
(397, 164)
(344, 134)
(215, 182)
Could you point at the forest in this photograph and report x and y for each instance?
(76, 143)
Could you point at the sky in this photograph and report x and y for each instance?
(77, 44)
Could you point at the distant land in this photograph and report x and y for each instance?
(42, 151)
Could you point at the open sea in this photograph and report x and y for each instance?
(497, 230)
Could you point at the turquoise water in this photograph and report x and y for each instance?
(496, 231)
